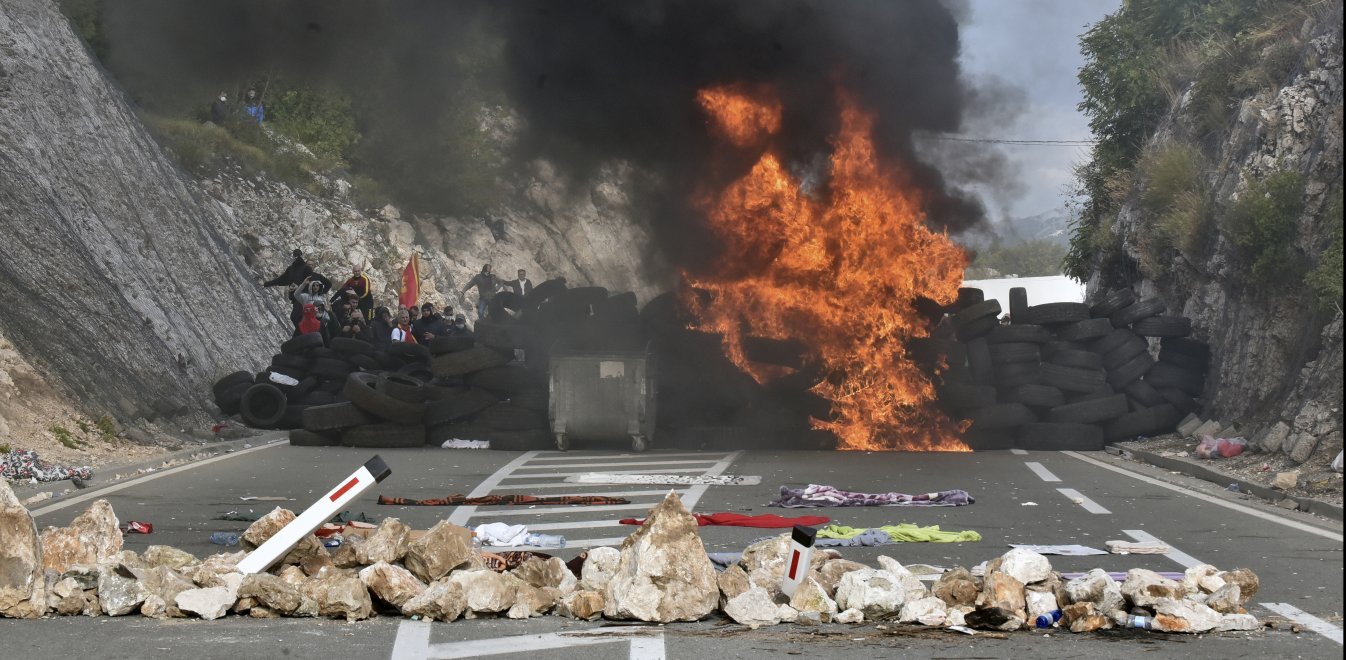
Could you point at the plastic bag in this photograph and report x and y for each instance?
(1211, 447)
(1336, 462)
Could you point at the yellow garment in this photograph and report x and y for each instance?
(902, 533)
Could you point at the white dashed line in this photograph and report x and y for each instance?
(1078, 498)
(1019, 452)
(1042, 472)
(1175, 554)
(1307, 620)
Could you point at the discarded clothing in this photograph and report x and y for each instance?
(900, 533)
(457, 499)
(815, 495)
(239, 517)
(501, 534)
(510, 560)
(24, 465)
(765, 521)
(664, 479)
(869, 537)
(1130, 548)
(455, 443)
(723, 560)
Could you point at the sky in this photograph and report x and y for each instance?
(1032, 45)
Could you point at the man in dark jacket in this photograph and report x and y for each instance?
(429, 325)
(487, 284)
(297, 272)
(522, 285)
(219, 110)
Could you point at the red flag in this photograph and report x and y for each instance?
(411, 281)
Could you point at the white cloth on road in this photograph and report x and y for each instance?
(663, 479)
(501, 534)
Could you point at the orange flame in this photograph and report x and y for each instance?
(838, 271)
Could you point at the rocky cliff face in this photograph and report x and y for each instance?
(1277, 355)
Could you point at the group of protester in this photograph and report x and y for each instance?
(349, 311)
(253, 108)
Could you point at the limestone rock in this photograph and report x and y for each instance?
(119, 592)
(753, 608)
(928, 611)
(315, 562)
(1001, 590)
(1039, 603)
(1299, 447)
(209, 604)
(261, 612)
(168, 556)
(765, 562)
(487, 591)
(956, 587)
(22, 580)
(1144, 588)
(154, 607)
(1074, 611)
(663, 574)
(436, 553)
(551, 572)
(829, 574)
(1246, 580)
(582, 605)
(810, 597)
(208, 573)
(1090, 623)
(955, 616)
(164, 583)
(875, 592)
(1286, 480)
(442, 600)
(72, 599)
(387, 543)
(732, 582)
(92, 538)
(348, 555)
(293, 576)
(1175, 615)
(530, 601)
(339, 594)
(1226, 599)
(1024, 565)
(275, 594)
(1096, 587)
(849, 616)
(599, 566)
(391, 584)
(787, 614)
(265, 527)
(1203, 578)
(1230, 622)
(1274, 437)
(911, 585)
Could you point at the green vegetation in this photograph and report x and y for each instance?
(5, 448)
(107, 427)
(86, 19)
(320, 120)
(1262, 224)
(205, 149)
(1173, 201)
(1026, 259)
(65, 437)
(1325, 280)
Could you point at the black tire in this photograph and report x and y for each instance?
(365, 362)
(387, 361)
(977, 312)
(965, 397)
(298, 345)
(384, 436)
(336, 417)
(930, 352)
(318, 398)
(466, 362)
(419, 371)
(1089, 412)
(436, 391)
(331, 369)
(509, 417)
(526, 440)
(1056, 313)
(967, 297)
(409, 352)
(984, 439)
(1058, 436)
(535, 399)
(362, 390)
(1141, 309)
(504, 380)
(1145, 394)
(458, 406)
(1148, 422)
(1014, 374)
(303, 438)
(1112, 340)
(504, 306)
(230, 399)
(321, 352)
(1035, 396)
(1086, 330)
(979, 362)
(302, 389)
(1111, 302)
(544, 291)
(1180, 400)
(977, 328)
(1071, 379)
(332, 386)
(231, 381)
(349, 346)
(1001, 416)
(1018, 302)
(1125, 353)
(1166, 375)
(293, 361)
(1131, 371)
(444, 345)
(1163, 326)
(1017, 352)
(1080, 397)
(1183, 360)
(1193, 347)
(1077, 358)
(262, 406)
(1018, 333)
(1053, 347)
(402, 388)
(505, 335)
(293, 417)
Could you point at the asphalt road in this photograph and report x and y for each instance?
(1297, 556)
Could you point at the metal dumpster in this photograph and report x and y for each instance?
(602, 395)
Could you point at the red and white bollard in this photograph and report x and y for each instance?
(801, 555)
(373, 471)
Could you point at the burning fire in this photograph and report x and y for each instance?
(838, 270)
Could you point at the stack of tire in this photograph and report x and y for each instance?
(1064, 376)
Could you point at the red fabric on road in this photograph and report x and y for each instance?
(727, 519)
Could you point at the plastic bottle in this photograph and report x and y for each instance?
(476, 542)
(1137, 621)
(545, 540)
(224, 538)
(1048, 620)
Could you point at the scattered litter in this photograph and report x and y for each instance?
(137, 527)
(1133, 548)
(1233, 488)
(282, 379)
(37, 498)
(1064, 550)
(238, 517)
(1211, 447)
(837, 535)
(1336, 462)
(224, 538)
(78, 483)
(815, 495)
(266, 498)
(962, 629)
(1029, 504)
(332, 541)
(24, 465)
(459, 499)
(455, 443)
(506, 535)
(663, 479)
(763, 521)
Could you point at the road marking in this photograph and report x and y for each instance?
(587, 489)
(531, 475)
(1293, 524)
(103, 492)
(591, 490)
(1175, 554)
(413, 643)
(1019, 452)
(1088, 504)
(582, 524)
(580, 465)
(1042, 472)
(581, 456)
(1307, 620)
(695, 492)
(462, 513)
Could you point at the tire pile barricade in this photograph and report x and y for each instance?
(465, 387)
(1063, 376)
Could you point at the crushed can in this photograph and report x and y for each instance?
(137, 527)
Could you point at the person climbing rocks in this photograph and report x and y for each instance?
(360, 284)
(522, 285)
(298, 271)
(219, 110)
(402, 331)
(486, 284)
(253, 107)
